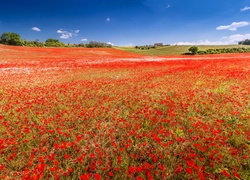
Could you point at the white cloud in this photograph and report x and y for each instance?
(233, 26)
(236, 38)
(201, 42)
(233, 39)
(59, 31)
(36, 29)
(109, 43)
(246, 8)
(84, 39)
(67, 34)
(108, 19)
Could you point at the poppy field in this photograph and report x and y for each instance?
(78, 113)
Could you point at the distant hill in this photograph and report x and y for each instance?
(174, 50)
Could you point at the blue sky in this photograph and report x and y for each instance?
(128, 22)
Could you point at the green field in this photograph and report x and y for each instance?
(174, 50)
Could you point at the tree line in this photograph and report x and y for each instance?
(147, 47)
(195, 50)
(14, 39)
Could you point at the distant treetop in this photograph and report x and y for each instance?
(245, 42)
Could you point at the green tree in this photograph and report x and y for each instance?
(245, 42)
(51, 42)
(95, 44)
(35, 43)
(9, 38)
(194, 50)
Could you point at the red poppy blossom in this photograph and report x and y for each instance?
(97, 176)
(189, 170)
(225, 173)
(111, 174)
(85, 177)
(190, 163)
(66, 156)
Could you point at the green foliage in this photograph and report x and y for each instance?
(9, 38)
(224, 50)
(53, 43)
(95, 44)
(194, 50)
(80, 45)
(146, 47)
(245, 42)
(33, 43)
(51, 40)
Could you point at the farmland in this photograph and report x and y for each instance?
(176, 49)
(78, 113)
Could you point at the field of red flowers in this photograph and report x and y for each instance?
(108, 114)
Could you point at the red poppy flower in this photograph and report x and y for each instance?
(189, 170)
(111, 174)
(66, 156)
(85, 177)
(190, 163)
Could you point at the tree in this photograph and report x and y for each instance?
(194, 50)
(9, 38)
(51, 42)
(245, 42)
(95, 44)
(35, 43)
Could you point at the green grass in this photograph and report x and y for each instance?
(173, 50)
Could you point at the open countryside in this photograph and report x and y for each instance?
(103, 113)
(124, 90)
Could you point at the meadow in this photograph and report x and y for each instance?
(175, 49)
(83, 113)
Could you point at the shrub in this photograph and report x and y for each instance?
(194, 50)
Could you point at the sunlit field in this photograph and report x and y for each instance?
(75, 113)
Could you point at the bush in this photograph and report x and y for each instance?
(53, 43)
(245, 42)
(9, 38)
(194, 50)
(145, 47)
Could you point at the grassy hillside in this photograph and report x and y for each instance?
(173, 50)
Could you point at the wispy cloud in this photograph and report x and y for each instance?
(233, 39)
(108, 19)
(36, 29)
(67, 34)
(84, 39)
(236, 38)
(246, 8)
(200, 42)
(234, 26)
